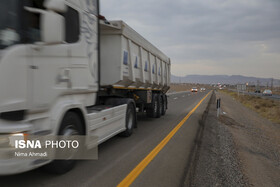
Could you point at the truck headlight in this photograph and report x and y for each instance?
(17, 136)
(8, 140)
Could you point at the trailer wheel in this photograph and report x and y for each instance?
(153, 109)
(129, 121)
(70, 125)
(160, 105)
(164, 104)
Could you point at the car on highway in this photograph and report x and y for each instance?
(194, 89)
(267, 93)
(202, 89)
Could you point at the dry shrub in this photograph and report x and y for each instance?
(257, 107)
(268, 108)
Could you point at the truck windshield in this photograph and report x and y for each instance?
(16, 24)
(9, 26)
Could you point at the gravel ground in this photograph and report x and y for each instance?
(240, 148)
(216, 162)
(257, 142)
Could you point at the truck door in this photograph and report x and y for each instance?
(50, 74)
(49, 64)
(69, 67)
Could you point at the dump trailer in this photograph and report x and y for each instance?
(64, 71)
(131, 67)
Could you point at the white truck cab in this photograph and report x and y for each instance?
(51, 66)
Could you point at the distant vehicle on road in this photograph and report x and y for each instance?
(257, 91)
(194, 89)
(202, 89)
(267, 92)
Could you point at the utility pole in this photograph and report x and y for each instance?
(266, 85)
(271, 84)
(258, 89)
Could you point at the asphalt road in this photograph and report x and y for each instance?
(119, 156)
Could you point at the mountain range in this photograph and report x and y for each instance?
(224, 79)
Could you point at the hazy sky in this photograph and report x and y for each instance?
(234, 37)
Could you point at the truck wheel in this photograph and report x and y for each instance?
(159, 107)
(153, 109)
(71, 125)
(129, 121)
(164, 104)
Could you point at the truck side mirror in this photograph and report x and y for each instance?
(52, 28)
(52, 25)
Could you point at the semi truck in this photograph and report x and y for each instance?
(65, 70)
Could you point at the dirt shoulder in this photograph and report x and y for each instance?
(240, 148)
(216, 162)
(256, 140)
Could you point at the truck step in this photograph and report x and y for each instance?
(98, 108)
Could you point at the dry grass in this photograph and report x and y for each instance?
(268, 108)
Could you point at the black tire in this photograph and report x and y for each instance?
(70, 125)
(164, 104)
(153, 109)
(159, 108)
(129, 121)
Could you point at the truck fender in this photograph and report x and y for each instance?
(59, 112)
(121, 101)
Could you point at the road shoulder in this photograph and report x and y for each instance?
(240, 148)
(216, 162)
(257, 142)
